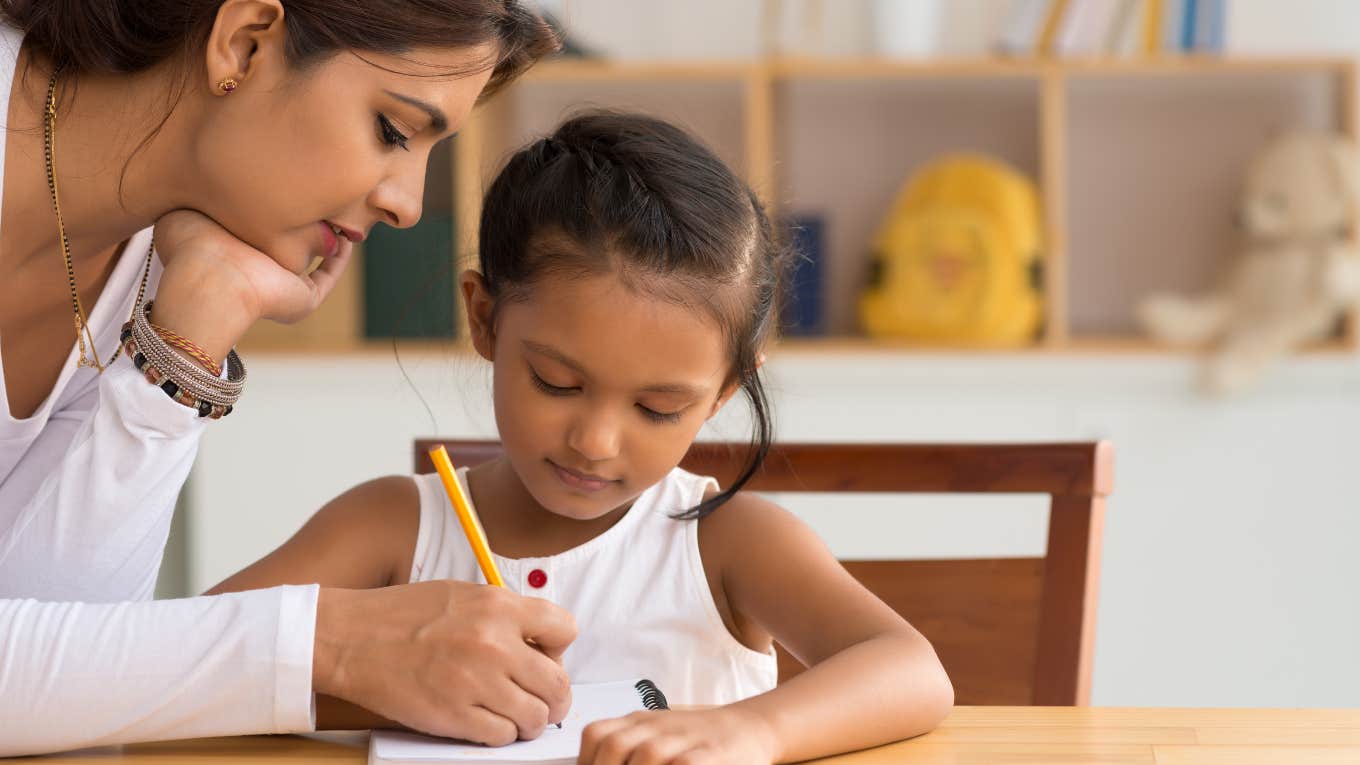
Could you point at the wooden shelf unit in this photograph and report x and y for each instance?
(1138, 161)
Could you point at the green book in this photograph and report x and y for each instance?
(408, 280)
(409, 273)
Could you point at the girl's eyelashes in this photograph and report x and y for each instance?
(659, 417)
(389, 133)
(559, 390)
(548, 388)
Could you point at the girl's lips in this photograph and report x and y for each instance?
(582, 481)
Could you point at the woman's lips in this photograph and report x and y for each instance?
(348, 233)
(330, 243)
(334, 236)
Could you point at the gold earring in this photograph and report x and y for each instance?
(227, 85)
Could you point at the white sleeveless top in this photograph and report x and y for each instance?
(642, 604)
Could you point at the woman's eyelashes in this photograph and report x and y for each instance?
(389, 133)
(562, 390)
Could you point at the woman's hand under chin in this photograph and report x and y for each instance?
(189, 240)
(215, 286)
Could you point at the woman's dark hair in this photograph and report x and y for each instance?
(638, 197)
(128, 36)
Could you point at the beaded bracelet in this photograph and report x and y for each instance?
(185, 382)
(185, 373)
(160, 353)
(171, 388)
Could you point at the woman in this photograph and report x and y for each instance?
(257, 136)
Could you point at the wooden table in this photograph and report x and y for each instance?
(990, 735)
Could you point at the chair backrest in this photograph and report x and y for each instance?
(1014, 631)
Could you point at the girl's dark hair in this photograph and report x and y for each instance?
(128, 36)
(632, 195)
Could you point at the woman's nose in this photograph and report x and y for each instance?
(399, 197)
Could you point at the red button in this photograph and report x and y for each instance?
(537, 578)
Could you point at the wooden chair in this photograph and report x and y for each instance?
(1009, 631)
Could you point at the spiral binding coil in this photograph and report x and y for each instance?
(652, 697)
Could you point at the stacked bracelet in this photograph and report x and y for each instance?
(183, 380)
(180, 342)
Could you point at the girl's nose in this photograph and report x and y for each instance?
(595, 437)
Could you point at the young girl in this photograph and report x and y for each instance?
(627, 288)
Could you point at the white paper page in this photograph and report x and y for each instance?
(589, 702)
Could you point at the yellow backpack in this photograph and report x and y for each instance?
(958, 259)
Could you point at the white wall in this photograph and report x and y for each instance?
(1295, 26)
(731, 28)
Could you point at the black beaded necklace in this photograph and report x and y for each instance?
(84, 337)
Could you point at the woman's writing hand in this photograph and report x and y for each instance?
(215, 285)
(447, 658)
(692, 737)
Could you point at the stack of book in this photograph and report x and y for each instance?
(1112, 28)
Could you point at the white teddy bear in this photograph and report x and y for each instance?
(1300, 272)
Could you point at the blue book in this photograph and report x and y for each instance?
(1209, 22)
(1173, 19)
(1189, 15)
(802, 310)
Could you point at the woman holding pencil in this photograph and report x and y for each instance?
(254, 137)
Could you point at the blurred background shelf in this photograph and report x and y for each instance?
(1139, 164)
(835, 139)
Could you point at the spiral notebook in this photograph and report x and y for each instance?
(589, 702)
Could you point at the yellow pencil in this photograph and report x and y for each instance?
(467, 517)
